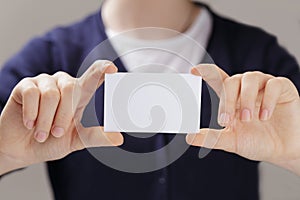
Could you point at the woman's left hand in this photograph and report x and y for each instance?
(260, 113)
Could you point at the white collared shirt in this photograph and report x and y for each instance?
(176, 54)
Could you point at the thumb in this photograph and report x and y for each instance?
(95, 137)
(93, 78)
(212, 74)
(222, 139)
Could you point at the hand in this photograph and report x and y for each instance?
(41, 120)
(260, 113)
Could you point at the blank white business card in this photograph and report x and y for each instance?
(152, 103)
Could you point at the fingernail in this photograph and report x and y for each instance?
(57, 132)
(246, 115)
(224, 118)
(195, 71)
(41, 136)
(190, 138)
(105, 65)
(264, 115)
(30, 124)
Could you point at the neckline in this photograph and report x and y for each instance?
(179, 37)
(211, 40)
(102, 31)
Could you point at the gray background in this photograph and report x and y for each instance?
(20, 20)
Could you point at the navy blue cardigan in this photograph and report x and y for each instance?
(233, 46)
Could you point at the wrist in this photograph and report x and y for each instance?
(291, 165)
(8, 164)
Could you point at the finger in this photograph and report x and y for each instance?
(95, 137)
(278, 90)
(251, 84)
(92, 79)
(213, 139)
(212, 74)
(289, 91)
(27, 94)
(49, 100)
(65, 111)
(228, 99)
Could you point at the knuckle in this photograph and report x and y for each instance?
(251, 76)
(237, 76)
(281, 83)
(283, 80)
(247, 74)
(274, 82)
(68, 86)
(31, 92)
(43, 76)
(232, 81)
(51, 94)
(257, 73)
(61, 74)
(25, 80)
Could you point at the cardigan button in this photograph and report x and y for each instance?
(162, 180)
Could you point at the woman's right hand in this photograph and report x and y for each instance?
(41, 120)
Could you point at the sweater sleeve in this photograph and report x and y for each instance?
(279, 62)
(35, 58)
